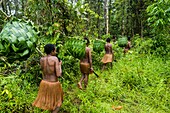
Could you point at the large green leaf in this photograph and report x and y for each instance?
(13, 38)
(14, 48)
(1, 47)
(24, 53)
(29, 35)
(21, 39)
(30, 44)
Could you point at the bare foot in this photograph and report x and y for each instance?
(79, 86)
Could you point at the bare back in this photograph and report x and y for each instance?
(87, 58)
(51, 68)
(128, 46)
(108, 48)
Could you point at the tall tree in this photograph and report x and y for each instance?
(106, 16)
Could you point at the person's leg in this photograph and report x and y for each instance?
(80, 82)
(111, 65)
(86, 80)
(104, 66)
(56, 110)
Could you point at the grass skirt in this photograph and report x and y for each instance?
(107, 58)
(85, 67)
(50, 95)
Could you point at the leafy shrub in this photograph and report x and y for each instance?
(17, 95)
(118, 51)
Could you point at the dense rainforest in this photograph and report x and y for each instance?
(139, 81)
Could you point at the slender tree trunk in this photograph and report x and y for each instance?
(110, 4)
(106, 16)
(141, 29)
(130, 18)
(123, 19)
(141, 19)
(98, 19)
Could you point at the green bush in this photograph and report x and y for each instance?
(17, 95)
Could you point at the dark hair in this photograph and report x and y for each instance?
(48, 48)
(114, 37)
(87, 40)
(108, 40)
(128, 38)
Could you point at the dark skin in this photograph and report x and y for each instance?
(108, 50)
(87, 59)
(128, 46)
(51, 68)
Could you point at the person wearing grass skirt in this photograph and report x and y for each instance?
(85, 65)
(128, 46)
(50, 94)
(108, 57)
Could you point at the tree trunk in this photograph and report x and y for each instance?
(106, 16)
(141, 29)
(110, 2)
(141, 19)
(98, 19)
(123, 19)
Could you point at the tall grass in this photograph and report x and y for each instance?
(139, 83)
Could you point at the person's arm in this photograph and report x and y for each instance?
(41, 63)
(111, 48)
(129, 44)
(58, 69)
(105, 47)
(42, 66)
(112, 52)
(90, 60)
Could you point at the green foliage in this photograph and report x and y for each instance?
(96, 59)
(159, 16)
(17, 41)
(3, 19)
(159, 19)
(118, 51)
(70, 68)
(17, 94)
(155, 45)
(75, 47)
(122, 41)
(98, 45)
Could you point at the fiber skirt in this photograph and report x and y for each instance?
(85, 67)
(50, 95)
(107, 58)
